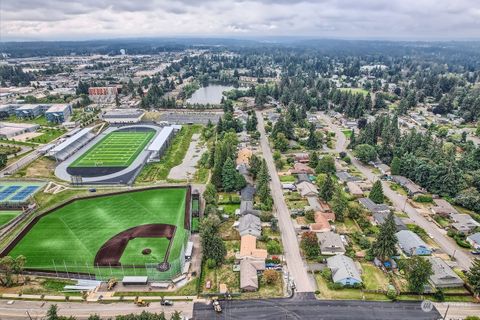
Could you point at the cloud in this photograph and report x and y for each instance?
(393, 19)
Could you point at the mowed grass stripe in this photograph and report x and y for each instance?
(72, 235)
(117, 149)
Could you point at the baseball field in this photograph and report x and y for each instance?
(116, 149)
(70, 237)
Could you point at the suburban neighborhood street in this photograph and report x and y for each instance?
(307, 307)
(295, 264)
(400, 202)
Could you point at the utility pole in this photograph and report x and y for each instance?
(446, 311)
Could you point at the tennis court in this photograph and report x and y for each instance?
(18, 191)
(117, 149)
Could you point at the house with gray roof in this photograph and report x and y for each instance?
(411, 244)
(344, 270)
(249, 269)
(463, 222)
(443, 276)
(250, 224)
(380, 217)
(412, 188)
(247, 193)
(330, 243)
(371, 206)
(344, 176)
(474, 240)
(246, 207)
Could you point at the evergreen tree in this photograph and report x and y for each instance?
(395, 166)
(210, 194)
(418, 272)
(339, 204)
(327, 189)
(368, 102)
(229, 175)
(384, 245)
(52, 313)
(176, 316)
(376, 194)
(313, 159)
(212, 244)
(312, 142)
(473, 276)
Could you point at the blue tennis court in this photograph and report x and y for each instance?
(8, 192)
(18, 191)
(24, 193)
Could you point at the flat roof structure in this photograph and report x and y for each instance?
(161, 139)
(134, 280)
(72, 139)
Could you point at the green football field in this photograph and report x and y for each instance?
(117, 149)
(69, 238)
(7, 215)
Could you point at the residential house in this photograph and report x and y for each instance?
(246, 207)
(250, 224)
(443, 208)
(412, 188)
(380, 217)
(354, 189)
(474, 240)
(301, 168)
(373, 207)
(243, 156)
(344, 176)
(307, 189)
(330, 243)
(344, 270)
(443, 276)
(247, 193)
(249, 269)
(248, 248)
(463, 222)
(384, 169)
(302, 157)
(303, 177)
(321, 224)
(411, 244)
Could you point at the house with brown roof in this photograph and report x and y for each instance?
(243, 156)
(248, 248)
(354, 189)
(321, 224)
(301, 168)
(302, 157)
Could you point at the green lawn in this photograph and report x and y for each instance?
(7, 215)
(72, 235)
(347, 133)
(117, 149)
(48, 134)
(174, 155)
(355, 90)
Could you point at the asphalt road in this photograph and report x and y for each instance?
(464, 259)
(308, 308)
(82, 310)
(295, 264)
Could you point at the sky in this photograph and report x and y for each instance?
(343, 19)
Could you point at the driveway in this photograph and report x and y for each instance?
(463, 259)
(295, 264)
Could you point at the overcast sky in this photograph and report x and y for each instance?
(351, 19)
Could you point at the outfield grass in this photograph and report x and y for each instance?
(70, 237)
(117, 149)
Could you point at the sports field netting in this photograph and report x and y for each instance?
(69, 238)
(117, 149)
